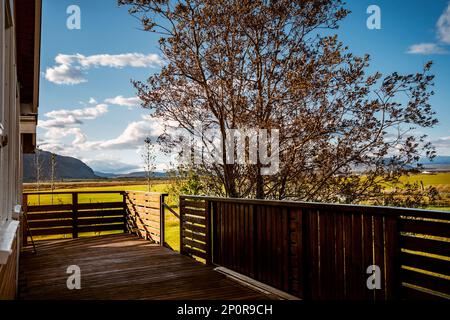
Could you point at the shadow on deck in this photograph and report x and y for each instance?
(122, 267)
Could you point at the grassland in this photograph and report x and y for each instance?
(172, 226)
(440, 181)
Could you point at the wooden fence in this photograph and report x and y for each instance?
(77, 215)
(322, 251)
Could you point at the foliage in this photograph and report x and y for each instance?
(186, 181)
(277, 65)
(149, 157)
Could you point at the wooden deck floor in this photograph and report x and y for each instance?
(122, 267)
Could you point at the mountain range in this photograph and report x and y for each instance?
(69, 168)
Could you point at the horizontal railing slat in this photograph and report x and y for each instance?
(100, 205)
(438, 229)
(426, 263)
(426, 281)
(106, 227)
(51, 231)
(50, 208)
(194, 252)
(189, 234)
(49, 216)
(426, 245)
(96, 221)
(49, 223)
(100, 213)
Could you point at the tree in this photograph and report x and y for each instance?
(38, 166)
(344, 134)
(149, 159)
(53, 164)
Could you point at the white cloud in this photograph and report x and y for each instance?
(443, 26)
(443, 34)
(72, 69)
(125, 102)
(442, 145)
(108, 164)
(132, 137)
(66, 118)
(426, 48)
(65, 74)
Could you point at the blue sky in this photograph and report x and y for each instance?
(88, 107)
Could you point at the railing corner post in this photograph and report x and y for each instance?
(208, 232)
(162, 219)
(180, 203)
(74, 215)
(23, 217)
(125, 212)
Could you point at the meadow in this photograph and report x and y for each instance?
(172, 225)
(440, 181)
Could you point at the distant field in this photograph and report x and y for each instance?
(172, 226)
(441, 181)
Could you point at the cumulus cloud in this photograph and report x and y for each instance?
(443, 26)
(426, 48)
(105, 163)
(442, 145)
(132, 137)
(65, 74)
(65, 118)
(443, 35)
(72, 69)
(124, 102)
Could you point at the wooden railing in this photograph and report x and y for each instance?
(93, 213)
(322, 251)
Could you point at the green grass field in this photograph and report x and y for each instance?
(172, 225)
(441, 181)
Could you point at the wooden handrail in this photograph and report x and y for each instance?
(383, 210)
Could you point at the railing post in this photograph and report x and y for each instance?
(125, 212)
(24, 223)
(74, 215)
(181, 224)
(208, 234)
(162, 219)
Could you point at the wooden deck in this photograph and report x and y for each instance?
(122, 267)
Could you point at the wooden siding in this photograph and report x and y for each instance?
(8, 276)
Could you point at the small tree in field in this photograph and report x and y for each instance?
(149, 157)
(260, 64)
(38, 167)
(53, 164)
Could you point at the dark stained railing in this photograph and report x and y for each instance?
(92, 213)
(313, 251)
(322, 251)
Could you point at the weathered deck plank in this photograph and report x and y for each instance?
(122, 267)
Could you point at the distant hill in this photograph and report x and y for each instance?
(67, 168)
(436, 160)
(438, 164)
(139, 174)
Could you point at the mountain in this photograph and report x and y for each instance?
(138, 174)
(106, 175)
(436, 160)
(438, 164)
(67, 168)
